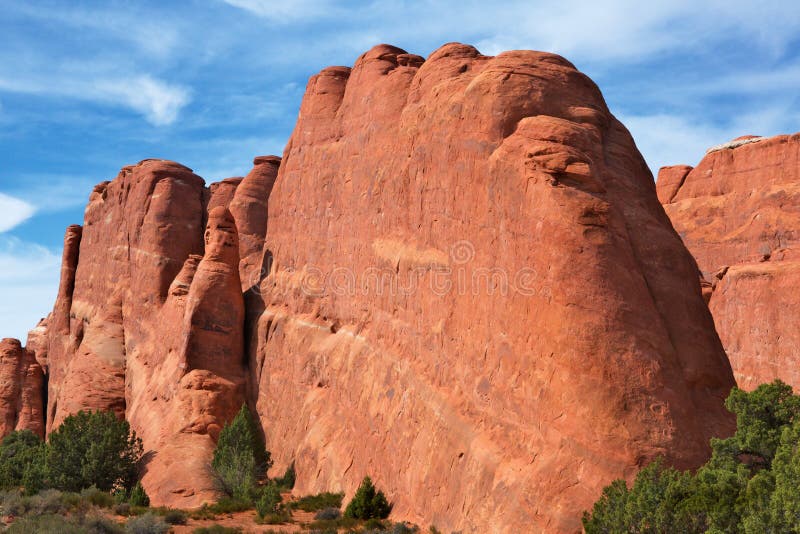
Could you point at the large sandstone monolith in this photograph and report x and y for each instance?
(738, 212)
(475, 296)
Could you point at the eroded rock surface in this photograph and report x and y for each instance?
(458, 281)
(738, 212)
(475, 297)
(149, 321)
(21, 390)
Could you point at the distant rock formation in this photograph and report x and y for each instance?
(738, 212)
(21, 389)
(458, 280)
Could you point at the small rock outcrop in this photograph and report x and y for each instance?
(738, 212)
(21, 389)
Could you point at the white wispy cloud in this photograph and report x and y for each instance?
(286, 10)
(28, 284)
(158, 101)
(13, 211)
(668, 139)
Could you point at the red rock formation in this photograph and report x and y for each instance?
(195, 384)
(249, 208)
(475, 297)
(738, 212)
(21, 389)
(467, 290)
(149, 320)
(117, 339)
(221, 193)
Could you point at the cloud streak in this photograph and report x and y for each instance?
(286, 10)
(159, 102)
(13, 212)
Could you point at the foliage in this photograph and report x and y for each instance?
(313, 503)
(138, 497)
(368, 503)
(748, 486)
(240, 458)
(286, 482)
(328, 514)
(93, 448)
(22, 461)
(45, 523)
(97, 497)
(175, 517)
(148, 523)
(217, 529)
(269, 500)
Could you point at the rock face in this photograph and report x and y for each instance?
(458, 280)
(21, 390)
(738, 212)
(475, 297)
(149, 320)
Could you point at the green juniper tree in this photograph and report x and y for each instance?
(93, 449)
(240, 458)
(750, 484)
(368, 503)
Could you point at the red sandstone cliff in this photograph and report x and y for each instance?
(502, 408)
(459, 281)
(738, 212)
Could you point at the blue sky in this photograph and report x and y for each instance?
(87, 87)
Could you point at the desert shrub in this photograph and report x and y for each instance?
(97, 524)
(123, 509)
(217, 529)
(93, 448)
(368, 503)
(49, 523)
(14, 503)
(314, 503)
(203, 513)
(175, 517)
(97, 497)
(268, 501)
(48, 502)
(228, 505)
(240, 458)
(404, 528)
(286, 482)
(328, 514)
(138, 497)
(347, 524)
(749, 485)
(148, 523)
(22, 461)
